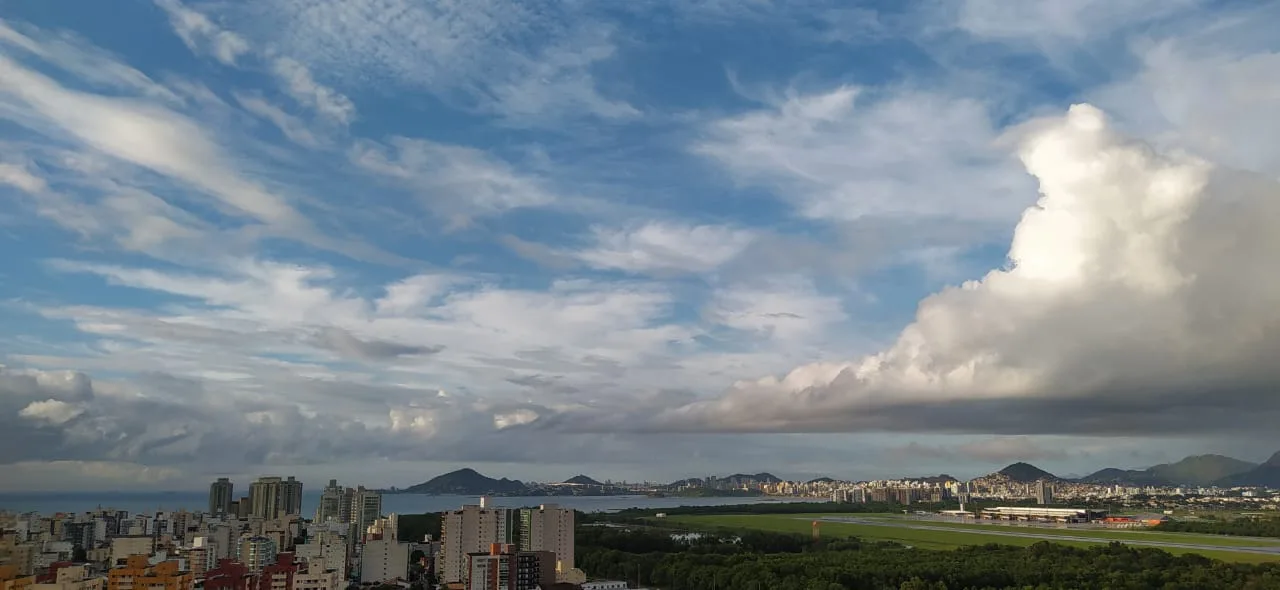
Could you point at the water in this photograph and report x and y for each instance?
(149, 502)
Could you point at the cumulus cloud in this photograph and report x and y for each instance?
(51, 411)
(1117, 312)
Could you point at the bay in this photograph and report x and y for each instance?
(48, 503)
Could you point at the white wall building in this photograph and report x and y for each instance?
(549, 528)
(383, 560)
(470, 530)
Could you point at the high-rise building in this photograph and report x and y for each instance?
(290, 497)
(330, 507)
(256, 552)
(366, 507)
(384, 560)
(470, 530)
(504, 568)
(220, 494)
(264, 497)
(548, 528)
(1044, 493)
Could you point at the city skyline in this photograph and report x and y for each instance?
(639, 242)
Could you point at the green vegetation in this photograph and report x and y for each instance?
(1242, 527)
(412, 527)
(759, 560)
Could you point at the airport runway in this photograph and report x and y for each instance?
(1275, 550)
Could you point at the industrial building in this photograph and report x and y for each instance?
(1038, 514)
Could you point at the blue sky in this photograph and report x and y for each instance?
(377, 239)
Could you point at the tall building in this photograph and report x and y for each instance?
(366, 507)
(256, 552)
(1044, 493)
(330, 507)
(220, 494)
(548, 528)
(290, 497)
(504, 568)
(470, 530)
(384, 560)
(264, 497)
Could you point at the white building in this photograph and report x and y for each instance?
(384, 560)
(549, 528)
(470, 530)
(122, 547)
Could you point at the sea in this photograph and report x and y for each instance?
(150, 502)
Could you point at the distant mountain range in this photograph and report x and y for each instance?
(1267, 474)
(583, 480)
(1197, 470)
(468, 482)
(1026, 473)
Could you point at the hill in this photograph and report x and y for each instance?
(1265, 475)
(583, 480)
(1197, 470)
(933, 479)
(1026, 473)
(467, 482)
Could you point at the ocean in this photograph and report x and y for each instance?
(150, 502)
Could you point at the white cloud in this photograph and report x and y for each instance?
(201, 34)
(1048, 21)
(664, 246)
(302, 86)
(789, 310)
(454, 181)
(51, 411)
(290, 126)
(842, 155)
(1116, 301)
(20, 178)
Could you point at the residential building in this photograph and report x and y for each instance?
(330, 507)
(473, 529)
(139, 574)
(278, 575)
(126, 546)
(548, 528)
(1044, 493)
(230, 575)
(256, 552)
(366, 507)
(505, 568)
(383, 560)
(221, 493)
(12, 579)
(69, 576)
(316, 574)
(264, 497)
(290, 497)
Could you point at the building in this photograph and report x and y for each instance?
(221, 493)
(264, 497)
(138, 574)
(290, 498)
(366, 507)
(505, 568)
(230, 575)
(383, 560)
(256, 552)
(1043, 514)
(330, 507)
(69, 576)
(603, 585)
(278, 575)
(11, 578)
(1135, 520)
(473, 529)
(1044, 493)
(317, 574)
(125, 546)
(548, 528)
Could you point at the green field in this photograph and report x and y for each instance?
(964, 534)
(1117, 535)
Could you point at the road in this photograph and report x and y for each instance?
(1262, 550)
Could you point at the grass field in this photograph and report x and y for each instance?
(1118, 535)
(962, 535)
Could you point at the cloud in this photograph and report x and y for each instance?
(290, 126)
(75, 476)
(343, 342)
(1061, 20)
(786, 309)
(1115, 314)
(456, 182)
(51, 411)
(846, 154)
(660, 246)
(300, 84)
(522, 62)
(1003, 449)
(203, 36)
(18, 177)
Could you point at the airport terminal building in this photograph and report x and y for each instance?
(1038, 514)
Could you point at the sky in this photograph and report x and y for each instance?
(377, 240)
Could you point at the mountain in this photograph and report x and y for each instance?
(759, 477)
(821, 480)
(583, 480)
(1265, 475)
(1026, 473)
(1200, 470)
(1124, 477)
(467, 482)
(932, 479)
(1197, 470)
